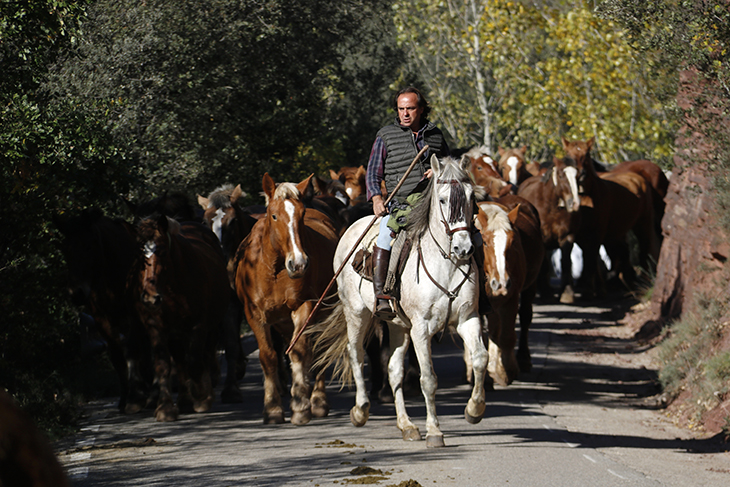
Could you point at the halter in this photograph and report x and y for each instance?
(453, 202)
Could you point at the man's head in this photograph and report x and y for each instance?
(411, 108)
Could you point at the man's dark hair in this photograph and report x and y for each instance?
(421, 101)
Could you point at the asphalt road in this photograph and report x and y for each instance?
(582, 417)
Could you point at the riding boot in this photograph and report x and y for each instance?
(485, 307)
(381, 259)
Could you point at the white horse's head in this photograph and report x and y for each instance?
(452, 204)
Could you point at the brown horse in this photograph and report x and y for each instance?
(284, 265)
(181, 293)
(555, 197)
(353, 179)
(100, 252)
(656, 178)
(231, 224)
(610, 207)
(513, 166)
(527, 225)
(26, 455)
(485, 174)
(513, 253)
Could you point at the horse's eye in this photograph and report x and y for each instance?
(273, 217)
(442, 201)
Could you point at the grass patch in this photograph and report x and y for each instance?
(689, 361)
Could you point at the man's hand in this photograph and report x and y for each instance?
(428, 173)
(379, 206)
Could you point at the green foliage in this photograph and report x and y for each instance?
(203, 93)
(510, 73)
(693, 36)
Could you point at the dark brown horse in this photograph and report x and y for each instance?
(284, 265)
(555, 197)
(656, 178)
(353, 179)
(26, 456)
(231, 224)
(611, 206)
(181, 293)
(100, 252)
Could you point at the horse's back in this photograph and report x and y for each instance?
(650, 171)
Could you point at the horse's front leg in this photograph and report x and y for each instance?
(429, 382)
(470, 331)
(273, 412)
(301, 361)
(356, 329)
(166, 409)
(502, 365)
(399, 346)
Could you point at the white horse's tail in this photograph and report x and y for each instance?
(331, 345)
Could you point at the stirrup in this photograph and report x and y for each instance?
(384, 308)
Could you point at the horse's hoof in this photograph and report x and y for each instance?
(359, 416)
(274, 417)
(435, 441)
(471, 419)
(166, 413)
(474, 411)
(132, 408)
(412, 434)
(231, 395)
(568, 296)
(320, 410)
(320, 406)
(300, 418)
(203, 406)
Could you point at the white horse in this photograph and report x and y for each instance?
(438, 288)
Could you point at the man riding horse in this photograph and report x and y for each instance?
(395, 146)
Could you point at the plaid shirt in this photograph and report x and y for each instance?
(376, 163)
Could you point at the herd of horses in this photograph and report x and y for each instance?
(172, 287)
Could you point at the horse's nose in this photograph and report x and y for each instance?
(296, 267)
(499, 288)
(151, 299)
(462, 248)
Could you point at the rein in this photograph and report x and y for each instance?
(451, 294)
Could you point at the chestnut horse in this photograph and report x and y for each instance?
(656, 178)
(555, 197)
(611, 206)
(181, 293)
(231, 224)
(100, 252)
(284, 265)
(485, 173)
(514, 167)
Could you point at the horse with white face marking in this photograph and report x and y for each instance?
(284, 265)
(438, 288)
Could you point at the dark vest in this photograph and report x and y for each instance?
(401, 150)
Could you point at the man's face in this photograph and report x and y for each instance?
(409, 113)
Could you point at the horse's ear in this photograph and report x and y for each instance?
(465, 163)
(435, 164)
(334, 175)
(523, 150)
(203, 202)
(590, 143)
(565, 143)
(306, 189)
(500, 150)
(512, 215)
(173, 226)
(319, 185)
(361, 172)
(162, 224)
(236, 194)
(269, 187)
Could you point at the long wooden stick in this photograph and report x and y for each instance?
(352, 250)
